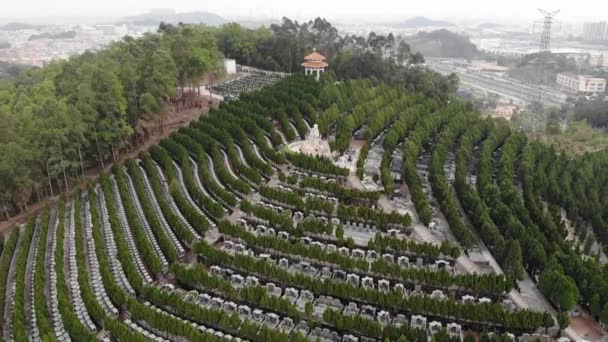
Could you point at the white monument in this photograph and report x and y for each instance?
(313, 145)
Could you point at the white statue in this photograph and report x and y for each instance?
(313, 144)
(314, 135)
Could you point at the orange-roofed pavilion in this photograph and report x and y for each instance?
(314, 63)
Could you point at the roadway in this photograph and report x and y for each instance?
(501, 86)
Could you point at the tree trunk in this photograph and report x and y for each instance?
(5, 210)
(59, 186)
(113, 152)
(65, 177)
(98, 151)
(81, 163)
(49, 177)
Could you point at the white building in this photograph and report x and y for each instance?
(230, 66)
(599, 59)
(595, 31)
(581, 83)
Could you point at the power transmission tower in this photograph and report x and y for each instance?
(538, 124)
(545, 48)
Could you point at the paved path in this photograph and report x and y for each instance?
(227, 163)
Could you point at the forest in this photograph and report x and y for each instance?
(62, 119)
(142, 250)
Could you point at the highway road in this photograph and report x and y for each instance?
(501, 86)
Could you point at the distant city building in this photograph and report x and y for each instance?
(504, 111)
(480, 66)
(581, 83)
(599, 60)
(314, 64)
(108, 30)
(595, 31)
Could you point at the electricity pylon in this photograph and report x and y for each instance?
(539, 124)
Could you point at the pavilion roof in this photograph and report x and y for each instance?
(314, 56)
(315, 64)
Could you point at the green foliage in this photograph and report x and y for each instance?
(604, 314)
(563, 319)
(18, 310)
(344, 194)
(490, 312)
(294, 199)
(512, 259)
(72, 324)
(382, 242)
(559, 288)
(5, 260)
(379, 218)
(316, 164)
(144, 244)
(174, 221)
(184, 167)
(43, 320)
(489, 284)
(339, 232)
(77, 113)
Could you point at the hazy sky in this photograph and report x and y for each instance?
(512, 10)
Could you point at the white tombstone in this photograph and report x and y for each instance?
(454, 329)
(384, 317)
(437, 294)
(384, 285)
(353, 279)
(418, 322)
(468, 299)
(388, 257)
(435, 327)
(358, 253)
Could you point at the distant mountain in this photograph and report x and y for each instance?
(418, 22)
(488, 26)
(155, 17)
(17, 27)
(443, 43)
(59, 35)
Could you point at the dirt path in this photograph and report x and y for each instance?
(174, 121)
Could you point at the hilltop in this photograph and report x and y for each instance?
(443, 43)
(419, 22)
(170, 17)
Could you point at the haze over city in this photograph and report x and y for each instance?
(311, 171)
(504, 11)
